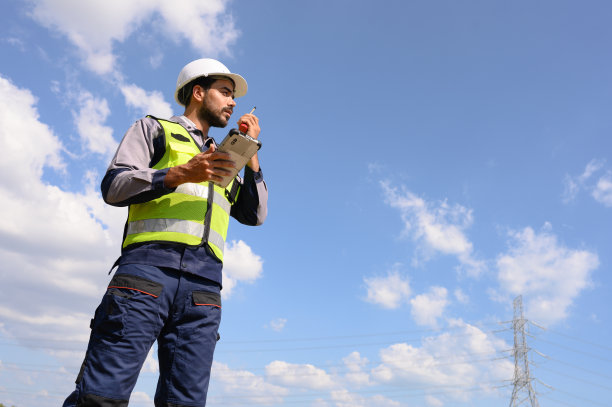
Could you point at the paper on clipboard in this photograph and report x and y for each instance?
(241, 148)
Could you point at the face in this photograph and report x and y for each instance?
(218, 103)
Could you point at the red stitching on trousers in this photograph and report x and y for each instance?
(212, 305)
(135, 289)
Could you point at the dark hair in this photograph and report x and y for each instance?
(184, 94)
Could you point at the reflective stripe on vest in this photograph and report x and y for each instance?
(177, 226)
(202, 192)
(181, 216)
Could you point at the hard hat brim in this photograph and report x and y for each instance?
(240, 84)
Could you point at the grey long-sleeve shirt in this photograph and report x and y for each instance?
(130, 179)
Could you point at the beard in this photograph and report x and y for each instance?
(214, 119)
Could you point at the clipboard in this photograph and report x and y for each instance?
(241, 147)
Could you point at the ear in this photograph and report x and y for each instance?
(198, 93)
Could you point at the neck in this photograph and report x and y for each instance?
(192, 114)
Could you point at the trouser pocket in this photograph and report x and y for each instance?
(124, 327)
(109, 320)
(205, 298)
(124, 292)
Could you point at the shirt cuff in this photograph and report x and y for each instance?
(158, 181)
(257, 176)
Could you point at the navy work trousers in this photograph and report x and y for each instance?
(143, 304)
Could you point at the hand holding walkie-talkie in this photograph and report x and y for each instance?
(241, 147)
(243, 126)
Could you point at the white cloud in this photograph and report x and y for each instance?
(304, 376)
(146, 103)
(61, 242)
(141, 398)
(209, 29)
(356, 374)
(602, 192)
(92, 26)
(242, 387)
(21, 149)
(428, 307)
(151, 364)
(389, 292)
(15, 42)
(283, 379)
(95, 26)
(240, 264)
(464, 357)
(277, 324)
(437, 228)
(49, 319)
(548, 275)
(89, 121)
(461, 296)
(433, 401)
(156, 60)
(344, 398)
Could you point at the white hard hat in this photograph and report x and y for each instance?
(208, 67)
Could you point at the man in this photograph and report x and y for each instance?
(168, 281)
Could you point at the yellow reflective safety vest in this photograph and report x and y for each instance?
(194, 214)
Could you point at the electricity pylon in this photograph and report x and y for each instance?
(522, 378)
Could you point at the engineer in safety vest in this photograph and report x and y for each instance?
(167, 285)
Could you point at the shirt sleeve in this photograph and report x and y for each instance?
(251, 207)
(129, 178)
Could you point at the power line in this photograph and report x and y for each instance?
(222, 349)
(577, 378)
(592, 355)
(395, 393)
(438, 360)
(448, 360)
(557, 401)
(38, 343)
(596, 403)
(591, 343)
(593, 372)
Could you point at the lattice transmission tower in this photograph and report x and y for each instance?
(523, 390)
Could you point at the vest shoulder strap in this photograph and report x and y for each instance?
(232, 193)
(156, 118)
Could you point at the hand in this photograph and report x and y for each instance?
(253, 122)
(210, 165)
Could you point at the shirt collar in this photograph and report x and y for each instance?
(191, 128)
(185, 122)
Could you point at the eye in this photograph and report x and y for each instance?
(227, 92)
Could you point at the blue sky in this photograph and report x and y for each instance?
(427, 162)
